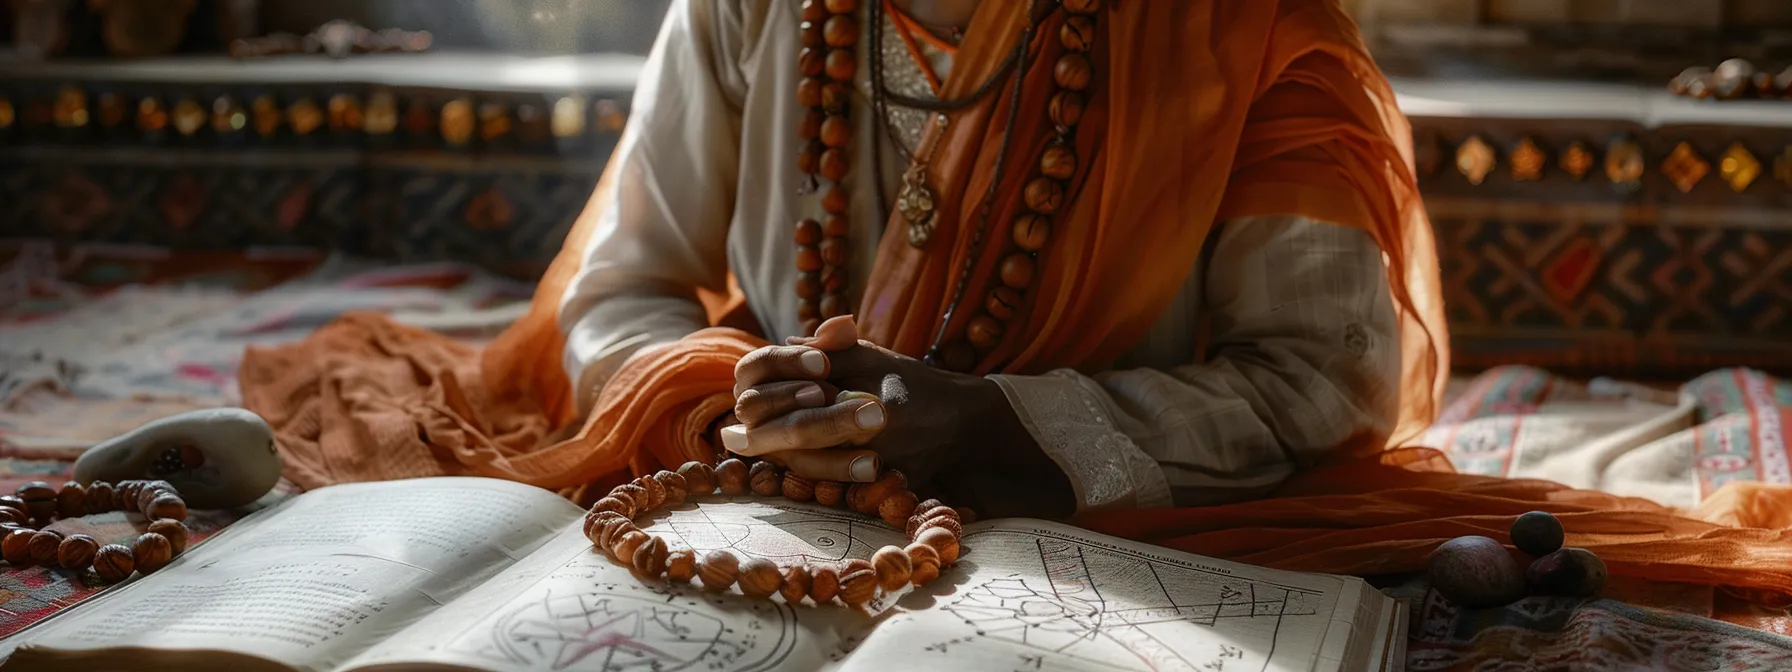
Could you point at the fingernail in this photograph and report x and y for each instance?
(864, 469)
(870, 416)
(811, 396)
(734, 438)
(814, 362)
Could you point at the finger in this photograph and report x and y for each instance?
(758, 404)
(778, 363)
(836, 333)
(854, 421)
(845, 465)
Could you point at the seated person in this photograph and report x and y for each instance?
(1081, 255)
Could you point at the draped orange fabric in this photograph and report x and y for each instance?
(1201, 110)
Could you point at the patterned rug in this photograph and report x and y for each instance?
(96, 342)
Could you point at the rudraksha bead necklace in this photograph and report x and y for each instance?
(933, 530)
(36, 503)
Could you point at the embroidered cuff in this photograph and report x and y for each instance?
(1069, 418)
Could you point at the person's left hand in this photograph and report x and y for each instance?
(926, 417)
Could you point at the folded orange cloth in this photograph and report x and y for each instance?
(1209, 110)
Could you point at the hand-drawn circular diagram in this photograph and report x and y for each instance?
(623, 630)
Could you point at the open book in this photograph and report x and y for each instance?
(481, 574)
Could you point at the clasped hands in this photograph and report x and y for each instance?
(833, 407)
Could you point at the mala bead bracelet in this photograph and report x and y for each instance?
(933, 529)
(36, 503)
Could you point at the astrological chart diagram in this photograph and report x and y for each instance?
(783, 534)
(621, 628)
(1097, 609)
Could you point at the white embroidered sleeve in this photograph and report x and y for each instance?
(1303, 354)
(664, 232)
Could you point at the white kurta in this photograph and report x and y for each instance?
(1303, 343)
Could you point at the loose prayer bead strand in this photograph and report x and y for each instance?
(933, 530)
(827, 62)
(37, 503)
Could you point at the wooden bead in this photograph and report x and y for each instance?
(943, 541)
(699, 478)
(808, 94)
(870, 496)
(651, 558)
(796, 584)
(809, 309)
(681, 565)
(151, 552)
(12, 516)
(835, 200)
(1066, 108)
(1044, 195)
(833, 305)
(808, 232)
(732, 475)
(948, 524)
(835, 251)
(656, 492)
(798, 488)
(984, 332)
(810, 326)
(924, 563)
(1017, 271)
(12, 502)
(808, 288)
(1073, 71)
(833, 165)
(718, 569)
(44, 544)
(842, 6)
(958, 356)
(616, 504)
(39, 499)
(77, 551)
(150, 491)
(833, 279)
(808, 159)
(760, 577)
(676, 489)
(809, 127)
(836, 131)
(858, 586)
(829, 493)
(767, 480)
(1081, 6)
(1537, 533)
(1077, 33)
(815, 10)
(1003, 303)
(892, 568)
(936, 511)
(633, 494)
(808, 259)
(841, 64)
(16, 547)
(71, 500)
(836, 226)
(965, 515)
(1058, 162)
(824, 584)
(841, 31)
(613, 530)
(813, 33)
(99, 497)
(624, 545)
(896, 509)
(812, 62)
(113, 563)
(836, 98)
(1032, 231)
(594, 525)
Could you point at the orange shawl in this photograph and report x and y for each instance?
(1203, 110)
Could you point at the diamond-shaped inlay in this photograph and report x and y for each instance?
(1568, 274)
(1624, 164)
(1782, 167)
(1577, 160)
(1528, 161)
(1739, 167)
(1685, 167)
(1475, 160)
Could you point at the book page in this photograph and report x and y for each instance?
(321, 577)
(1027, 595)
